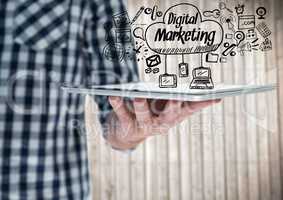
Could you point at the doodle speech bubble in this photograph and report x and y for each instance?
(184, 32)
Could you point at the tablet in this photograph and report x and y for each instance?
(182, 93)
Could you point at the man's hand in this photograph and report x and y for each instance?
(129, 125)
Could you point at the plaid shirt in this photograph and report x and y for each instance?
(44, 43)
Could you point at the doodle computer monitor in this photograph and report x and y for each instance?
(168, 81)
(202, 78)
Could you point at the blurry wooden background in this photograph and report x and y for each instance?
(232, 151)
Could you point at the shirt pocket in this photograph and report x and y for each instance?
(41, 24)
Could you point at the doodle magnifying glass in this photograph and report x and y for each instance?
(240, 37)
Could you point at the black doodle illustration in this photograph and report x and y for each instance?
(123, 35)
(246, 47)
(138, 49)
(138, 15)
(212, 57)
(202, 78)
(240, 9)
(239, 37)
(246, 22)
(255, 44)
(214, 13)
(266, 45)
(156, 70)
(261, 12)
(148, 70)
(130, 53)
(229, 20)
(122, 20)
(167, 80)
(141, 51)
(153, 12)
(153, 61)
(223, 6)
(229, 49)
(183, 68)
(139, 33)
(108, 27)
(173, 36)
(184, 33)
(255, 41)
(182, 30)
(117, 38)
(263, 30)
(251, 35)
(152, 70)
(114, 52)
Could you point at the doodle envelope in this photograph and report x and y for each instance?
(153, 61)
(182, 93)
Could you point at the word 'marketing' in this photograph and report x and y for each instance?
(195, 34)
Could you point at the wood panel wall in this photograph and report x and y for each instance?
(232, 151)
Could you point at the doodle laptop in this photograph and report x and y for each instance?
(202, 78)
(181, 93)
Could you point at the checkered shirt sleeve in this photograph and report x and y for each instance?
(44, 44)
(105, 28)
